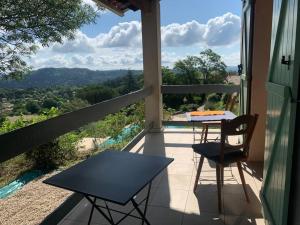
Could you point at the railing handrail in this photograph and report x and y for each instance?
(24, 139)
(199, 88)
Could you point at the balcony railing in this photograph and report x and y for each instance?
(196, 89)
(24, 139)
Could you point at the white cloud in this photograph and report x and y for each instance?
(183, 34)
(232, 59)
(126, 34)
(223, 30)
(121, 47)
(81, 44)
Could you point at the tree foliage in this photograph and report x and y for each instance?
(96, 93)
(206, 68)
(25, 25)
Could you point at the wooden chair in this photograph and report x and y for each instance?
(224, 154)
(206, 125)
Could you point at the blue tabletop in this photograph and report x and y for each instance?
(227, 116)
(111, 175)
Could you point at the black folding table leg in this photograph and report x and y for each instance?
(146, 203)
(92, 211)
(136, 206)
(99, 210)
(108, 211)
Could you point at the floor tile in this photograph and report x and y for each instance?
(174, 199)
(203, 218)
(202, 202)
(174, 181)
(238, 206)
(240, 220)
(164, 216)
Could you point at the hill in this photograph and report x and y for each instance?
(51, 77)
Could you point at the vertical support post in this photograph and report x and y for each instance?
(152, 64)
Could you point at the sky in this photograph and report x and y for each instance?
(187, 28)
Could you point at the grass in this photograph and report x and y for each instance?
(13, 168)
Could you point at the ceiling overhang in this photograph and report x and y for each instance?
(119, 7)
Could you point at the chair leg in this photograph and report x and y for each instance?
(202, 134)
(218, 172)
(206, 132)
(222, 175)
(243, 180)
(198, 172)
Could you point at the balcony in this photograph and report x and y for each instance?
(172, 199)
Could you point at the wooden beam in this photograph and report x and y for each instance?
(199, 89)
(111, 7)
(143, 5)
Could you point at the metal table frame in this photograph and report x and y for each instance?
(109, 217)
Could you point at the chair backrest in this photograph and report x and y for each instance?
(240, 126)
(231, 101)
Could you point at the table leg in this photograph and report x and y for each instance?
(206, 132)
(147, 200)
(136, 206)
(194, 141)
(108, 211)
(92, 211)
(99, 210)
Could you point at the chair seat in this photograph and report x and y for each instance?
(211, 150)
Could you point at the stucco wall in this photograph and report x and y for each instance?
(261, 55)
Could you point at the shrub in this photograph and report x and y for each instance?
(214, 98)
(32, 107)
(188, 107)
(53, 154)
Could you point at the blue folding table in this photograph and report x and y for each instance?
(213, 118)
(112, 176)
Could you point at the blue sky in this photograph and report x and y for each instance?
(188, 26)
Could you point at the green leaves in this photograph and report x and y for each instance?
(26, 24)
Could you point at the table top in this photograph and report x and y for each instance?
(113, 176)
(227, 116)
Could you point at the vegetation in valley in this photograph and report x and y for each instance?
(22, 107)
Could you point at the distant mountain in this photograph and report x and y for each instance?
(232, 69)
(51, 77)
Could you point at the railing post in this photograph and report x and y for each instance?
(152, 64)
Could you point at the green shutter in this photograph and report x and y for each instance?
(282, 88)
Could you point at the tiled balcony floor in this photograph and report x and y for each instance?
(173, 201)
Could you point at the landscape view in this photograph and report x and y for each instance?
(50, 92)
(63, 62)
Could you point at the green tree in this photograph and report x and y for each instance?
(33, 107)
(211, 66)
(130, 83)
(96, 93)
(188, 70)
(49, 103)
(26, 24)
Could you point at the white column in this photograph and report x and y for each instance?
(152, 64)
